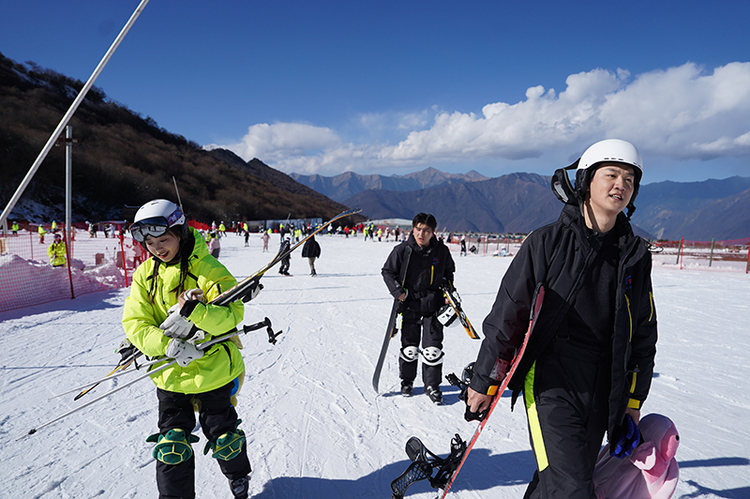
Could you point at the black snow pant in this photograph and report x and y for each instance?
(566, 395)
(217, 416)
(412, 327)
(285, 263)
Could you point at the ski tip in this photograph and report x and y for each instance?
(31, 432)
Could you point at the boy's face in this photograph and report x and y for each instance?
(165, 247)
(422, 234)
(611, 188)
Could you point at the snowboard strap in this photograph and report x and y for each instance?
(425, 462)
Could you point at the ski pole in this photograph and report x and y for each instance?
(202, 346)
(58, 418)
(245, 329)
(106, 378)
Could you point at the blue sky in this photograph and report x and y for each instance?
(397, 86)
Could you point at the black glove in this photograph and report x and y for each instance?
(625, 438)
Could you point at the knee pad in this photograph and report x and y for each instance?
(173, 447)
(432, 356)
(227, 446)
(410, 353)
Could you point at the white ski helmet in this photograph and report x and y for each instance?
(609, 151)
(155, 218)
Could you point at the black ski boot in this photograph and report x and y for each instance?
(240, 487)
(435, 394)
(406, 387)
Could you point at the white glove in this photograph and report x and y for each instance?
(177, 326)
(183, 352)
(193, 294)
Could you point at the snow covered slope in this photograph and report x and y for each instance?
(315, 427)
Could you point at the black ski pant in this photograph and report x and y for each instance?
(284, 267)
(566, 395)
(413, 328)
(217, 416)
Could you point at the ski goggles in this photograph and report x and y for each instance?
(154, 227)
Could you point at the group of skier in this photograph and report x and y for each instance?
(586, 372)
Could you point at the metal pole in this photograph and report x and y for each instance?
(69, 113)
(68, 184)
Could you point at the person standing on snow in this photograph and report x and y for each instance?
(588, 365)
(168, 314)
(287, 260)
(414, 273)
(214, 246)
(56, 252)
(311, 251)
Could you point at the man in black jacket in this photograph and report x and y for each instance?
(414, 273)
(588, 365)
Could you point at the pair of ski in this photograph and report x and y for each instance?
(454, 300)
(424, 462)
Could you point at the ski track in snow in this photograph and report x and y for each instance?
(315, 427)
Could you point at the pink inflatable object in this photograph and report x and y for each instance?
(651, 471)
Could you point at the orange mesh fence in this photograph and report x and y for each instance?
(32, 273)
(99, 257)
(729, 254)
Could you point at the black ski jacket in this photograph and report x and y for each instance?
(558, 256)
(311, 248)
(419, 272)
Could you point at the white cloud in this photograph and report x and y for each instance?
(682, 113)
(283, 141)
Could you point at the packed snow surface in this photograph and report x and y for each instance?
(316, 429)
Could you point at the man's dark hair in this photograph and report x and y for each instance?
(424, 218)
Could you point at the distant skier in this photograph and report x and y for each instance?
(287, 260)
(311, 251)
(414, 272)
(167, 307)
(588, 366)
(56, 252)
(214, 245)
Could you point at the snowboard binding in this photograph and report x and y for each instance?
(424, 463)
(463, 385)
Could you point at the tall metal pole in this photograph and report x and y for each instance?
(70, 112)
(68, 183)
